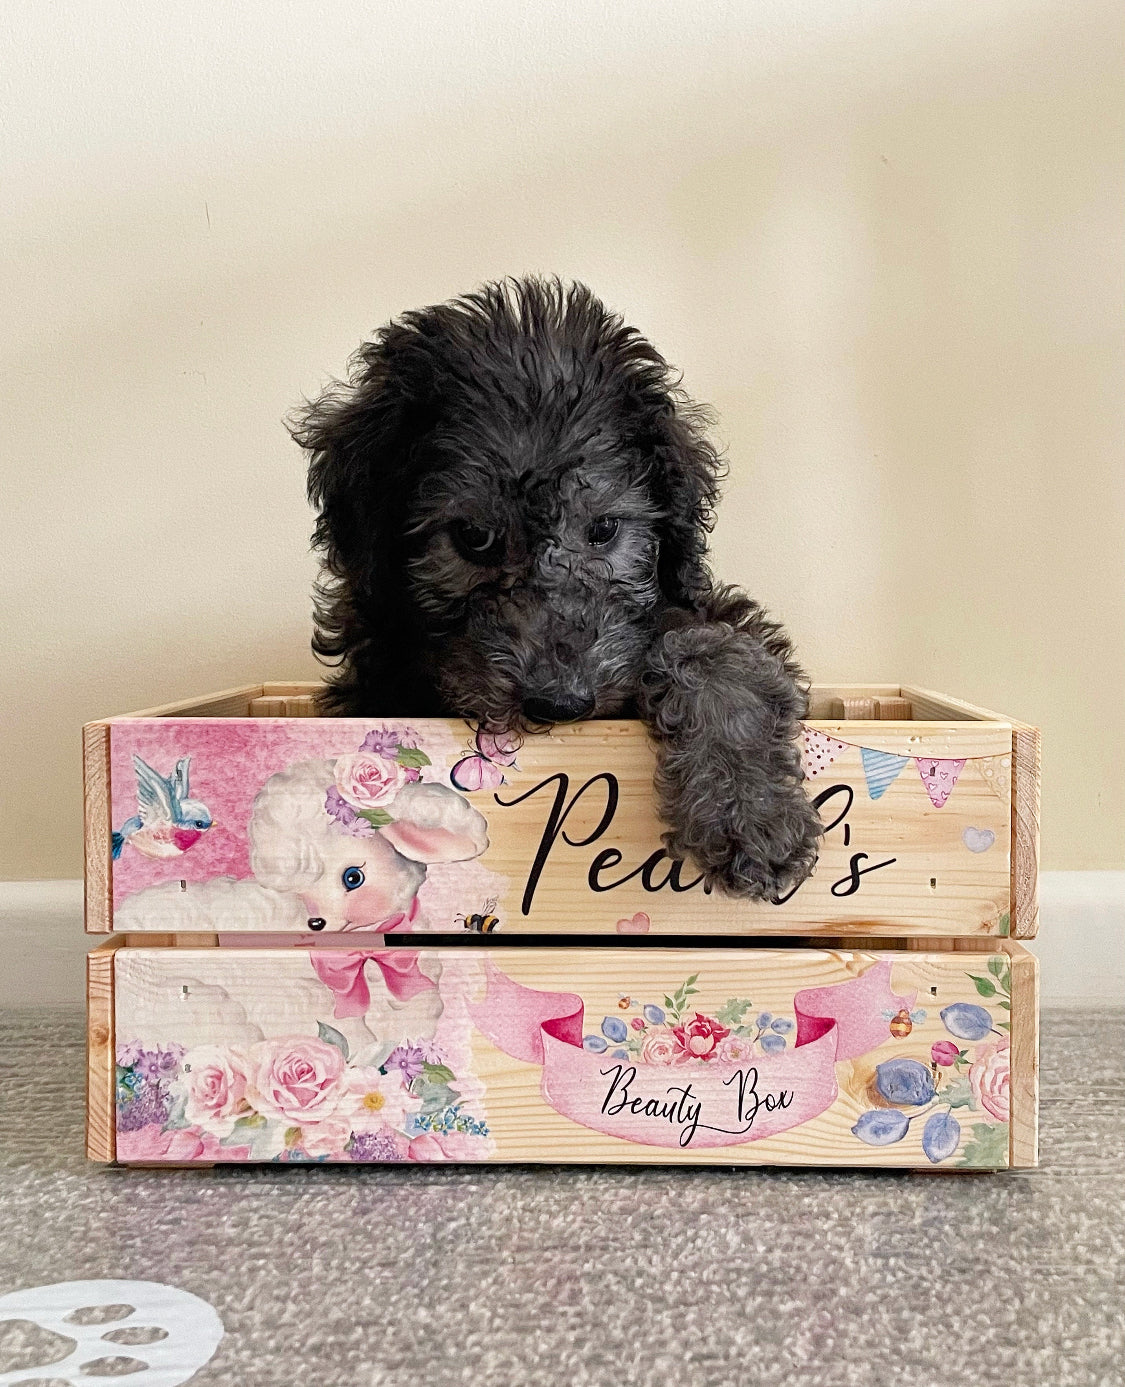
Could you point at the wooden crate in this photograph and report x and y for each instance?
(931, 819)
(922, 1057)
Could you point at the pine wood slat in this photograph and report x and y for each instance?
(97, 836)
(199, 996)
(100, 1052)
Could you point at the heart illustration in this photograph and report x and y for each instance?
(978, 839)
(637, 924)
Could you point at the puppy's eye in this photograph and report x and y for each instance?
(476, 542)
(352, 878)
(603, 529)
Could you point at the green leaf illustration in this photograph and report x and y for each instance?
(733, 1010)
(958, 1094)
(377, 818)
(292, 1136)
(1003, 1002)
(996, 965)
(252, 1131)
(178, 1116)
(985, 986)
(333, 1037)
(412, 758)
(988, 1148)
(1004, 925)
(437, 1097)
(246, 1125)
(438, 1073)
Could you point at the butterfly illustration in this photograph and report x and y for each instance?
(483, 768)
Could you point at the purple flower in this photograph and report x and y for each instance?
(128, 1055)
(151, 1105)
(382, 741)
(408, 1060)
(151, 1066)
(373, 1146)
(345, 815)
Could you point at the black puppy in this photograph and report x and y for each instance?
(514, 498)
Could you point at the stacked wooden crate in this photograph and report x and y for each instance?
(501, 963)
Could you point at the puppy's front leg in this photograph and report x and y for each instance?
(724, 700)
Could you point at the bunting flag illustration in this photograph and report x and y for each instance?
(939, 777)
(996, 771)
(881, 769)
(818, 751)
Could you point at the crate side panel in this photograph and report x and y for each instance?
(97, 816)
(560, 835)
(100, 1074)
(1026, 743)
(1025, 1057)
(759, 1056)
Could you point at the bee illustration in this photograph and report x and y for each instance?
(902, 1022)
(625, 1001)
(483, 921)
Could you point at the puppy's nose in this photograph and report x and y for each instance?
(561, 707)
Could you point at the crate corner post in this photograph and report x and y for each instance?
(97, 829)
(101, 1133)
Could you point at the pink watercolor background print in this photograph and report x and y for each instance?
(229, 761)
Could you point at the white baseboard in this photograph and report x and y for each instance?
(1081, 940)
(44, 947)
(1081, 943)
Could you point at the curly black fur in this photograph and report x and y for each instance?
(514, 497)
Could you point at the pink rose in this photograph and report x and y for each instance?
(637, 1023)
(660, 1047)
(215, 1081)
(700, 1037)
(184, 1144)
(367, 780)
(944, 1052)
(327, 1137)
(425, 1148)
(294, 1079)
(990, 1079)
(462, 1146)
(734, 1049)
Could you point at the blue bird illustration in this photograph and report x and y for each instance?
(167, 822)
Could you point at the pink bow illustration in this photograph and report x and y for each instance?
(343, 974)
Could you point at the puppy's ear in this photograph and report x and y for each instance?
(687, 488)
(359, 435)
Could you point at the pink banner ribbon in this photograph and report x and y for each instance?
(343, 974)
(706, 1103)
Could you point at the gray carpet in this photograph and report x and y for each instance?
(539, 1276)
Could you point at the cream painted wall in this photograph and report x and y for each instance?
(885, 240)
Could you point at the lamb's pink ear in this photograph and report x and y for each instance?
(432, 823)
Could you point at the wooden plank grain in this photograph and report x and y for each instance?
(1024, 1090)
(98, 829)
(917, 877)
(1026, 762)
(100, 1053)
(215, 996)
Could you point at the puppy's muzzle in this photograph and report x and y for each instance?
(560, 707)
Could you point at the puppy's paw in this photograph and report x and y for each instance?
(761, 847)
